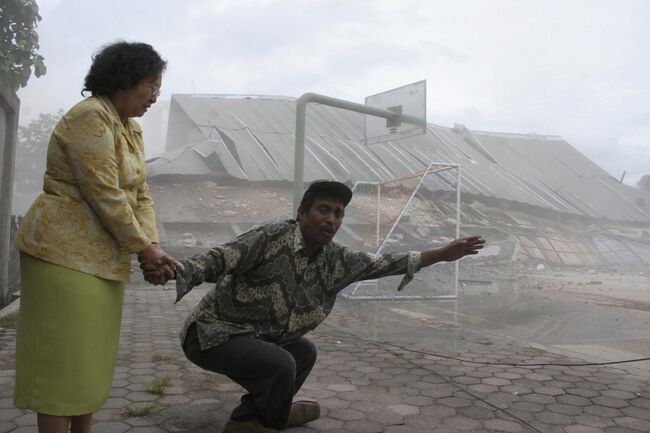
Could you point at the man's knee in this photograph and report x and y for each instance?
(309, 349)
(283, 365)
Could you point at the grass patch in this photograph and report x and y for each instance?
(135, 410)
(161, 356)
(157, 386)
(9, 321)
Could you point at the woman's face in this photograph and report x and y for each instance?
(140, 97)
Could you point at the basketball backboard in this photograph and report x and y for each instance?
(409, 100)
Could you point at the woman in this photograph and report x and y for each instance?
(77, 238)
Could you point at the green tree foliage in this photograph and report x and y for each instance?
(31, 154)
(19, 42)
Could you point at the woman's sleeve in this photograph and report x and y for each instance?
(145, 214)
(89, 143)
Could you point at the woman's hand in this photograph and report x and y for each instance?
(157, 266)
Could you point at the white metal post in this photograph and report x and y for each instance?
(457, 223)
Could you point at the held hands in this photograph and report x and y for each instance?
(462, 247)
(157, 266)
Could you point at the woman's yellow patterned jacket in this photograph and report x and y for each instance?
(95, 209)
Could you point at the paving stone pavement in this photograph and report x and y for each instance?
(362, 386)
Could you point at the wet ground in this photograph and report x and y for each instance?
(507, 356)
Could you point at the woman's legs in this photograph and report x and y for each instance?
(52, 424)
(81, 423)
(60, 424)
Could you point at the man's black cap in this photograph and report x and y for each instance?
(333, 188)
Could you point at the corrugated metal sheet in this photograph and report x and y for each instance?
(254, 140)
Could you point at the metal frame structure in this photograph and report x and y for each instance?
(10, 107)
(392, 117)
(432, 169)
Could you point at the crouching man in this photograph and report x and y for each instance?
(274, 284)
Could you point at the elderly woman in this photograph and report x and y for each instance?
(77, 238)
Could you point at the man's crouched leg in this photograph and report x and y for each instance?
(270, 373)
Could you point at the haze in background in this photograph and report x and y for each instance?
(578, 69)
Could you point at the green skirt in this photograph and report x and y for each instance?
(67, 338)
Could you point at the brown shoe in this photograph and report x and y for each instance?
(247, 427)
(303, 412)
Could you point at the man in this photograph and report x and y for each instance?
(274, 284)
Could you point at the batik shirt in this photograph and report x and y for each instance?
(266, 286)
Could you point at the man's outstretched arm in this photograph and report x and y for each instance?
(357, 265)
(453, 251)
(235, 257)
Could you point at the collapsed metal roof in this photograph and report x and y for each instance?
(252, 139)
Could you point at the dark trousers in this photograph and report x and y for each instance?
(271, 374)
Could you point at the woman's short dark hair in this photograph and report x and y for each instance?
(120, 66)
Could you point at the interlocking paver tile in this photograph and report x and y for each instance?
(623, 395)
(516, 390)
(619, 430)
(147, 429)
(340, 387)
(462, 424)
(335, 403)
(110, 427)
(398, 429)
(483, 388)
(615, 403)
(528, 406)
(564, 409)
(501, 425)
(636, 412)
(467, 380)
(404, 409)
(633, 423)
(9, 414)
(385, 417)
(346, 414)
(582, 429)
(454, 402)
(25, 419)
(594, 421)
(352, 395)
(479, 411)
(28, 429)
(364, 426)
(139, 396)
(641, 402)
(587, 393)
(602, 411)
(549, 417)
(549, 390)
(418, 401)
(325, 424)
(7, 426)
(539, 398)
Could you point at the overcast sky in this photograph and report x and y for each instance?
(578, 69)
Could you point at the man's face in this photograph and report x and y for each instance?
(321, 222)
